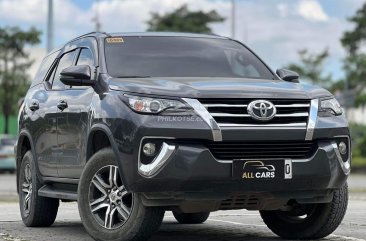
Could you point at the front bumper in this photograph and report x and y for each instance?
(192, 168)
(191, 172)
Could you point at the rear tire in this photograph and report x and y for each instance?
(101, 192)
(311, 221)
(191, 218)
(36, 211)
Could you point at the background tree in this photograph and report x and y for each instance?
(311, 67)
(355, 79)
(183, 20)
(355, 63)
(14, 62)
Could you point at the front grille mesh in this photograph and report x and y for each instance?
(233, 112)
(262, 150)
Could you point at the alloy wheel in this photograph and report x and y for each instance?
(27, 188)
(110, 203)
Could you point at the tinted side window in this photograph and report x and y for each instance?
(44, 67)
(85, 58)
(65, 61)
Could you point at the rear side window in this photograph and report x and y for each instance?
(44, 67)
(65, 61)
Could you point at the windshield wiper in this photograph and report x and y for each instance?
(134, 76)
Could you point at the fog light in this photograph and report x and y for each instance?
(342, 148)
(149, 149)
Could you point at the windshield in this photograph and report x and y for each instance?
(181, 57)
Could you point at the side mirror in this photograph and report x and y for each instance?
(288, 75)
(79, 75)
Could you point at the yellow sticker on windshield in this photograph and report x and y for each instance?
(114, 40)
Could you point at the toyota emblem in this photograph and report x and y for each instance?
(262, 110)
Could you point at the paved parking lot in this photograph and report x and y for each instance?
(221, 226)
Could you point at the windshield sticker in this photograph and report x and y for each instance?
(115, 40)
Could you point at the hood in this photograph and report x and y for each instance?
(217, 88)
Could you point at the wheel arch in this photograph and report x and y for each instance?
(94, 144)
(23, 145)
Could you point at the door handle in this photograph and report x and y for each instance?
(34, 105)
(62, 105)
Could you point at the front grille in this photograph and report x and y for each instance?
(262, 150)
(233, 112)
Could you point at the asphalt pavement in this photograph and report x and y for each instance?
(221, 226)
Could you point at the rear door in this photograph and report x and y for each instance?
(41, 103)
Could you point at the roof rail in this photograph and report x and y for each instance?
(94, 32)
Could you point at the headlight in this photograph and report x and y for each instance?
(154, 105)
(330, 107)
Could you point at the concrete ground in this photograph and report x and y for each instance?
(221, 226)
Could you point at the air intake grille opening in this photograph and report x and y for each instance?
(262, 150)
(239, 202)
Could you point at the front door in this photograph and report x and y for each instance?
(73, 123)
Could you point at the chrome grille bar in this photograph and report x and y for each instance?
(224, 105)
(247, 115)
(294, 105)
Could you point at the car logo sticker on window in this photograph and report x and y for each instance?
(114, 40)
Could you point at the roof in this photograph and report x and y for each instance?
(168, 34)
(150, 34)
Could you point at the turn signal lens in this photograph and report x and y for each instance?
(330, 107)
(138, 105)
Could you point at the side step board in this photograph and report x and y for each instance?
(65, 192)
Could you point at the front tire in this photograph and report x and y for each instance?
(36, 211)
(107, 210)
(191, 218)
(309, 221)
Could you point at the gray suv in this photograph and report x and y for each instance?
(131, 125)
